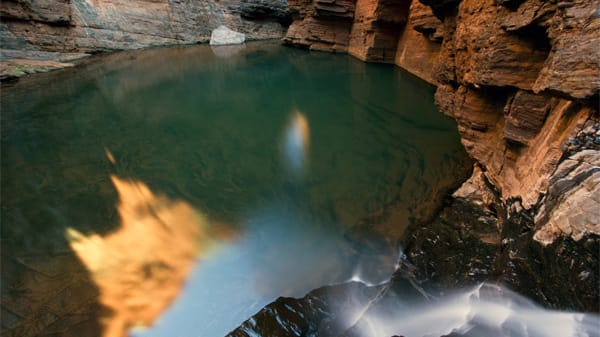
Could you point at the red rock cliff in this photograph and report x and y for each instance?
(521, 78)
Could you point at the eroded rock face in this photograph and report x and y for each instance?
(88, 26)
(419, 45)
(376, 27)
(522, 79)
(320, 25)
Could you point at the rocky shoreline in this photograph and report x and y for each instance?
(39, 36)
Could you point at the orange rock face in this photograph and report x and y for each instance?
(376, 28)
(519, 78)
(320, 25)
(419, 45)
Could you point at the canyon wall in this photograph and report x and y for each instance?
(521, 78)
(96, 25)
(38, 35)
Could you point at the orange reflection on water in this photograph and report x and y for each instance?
(296, 141)
(141, 267)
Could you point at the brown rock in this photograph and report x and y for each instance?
(315, 34)
(488, 55)
(374, 34)
(56, 12)
(416, 52)
(323, 25)
(334, 8)
(572, 68)
(525, 116)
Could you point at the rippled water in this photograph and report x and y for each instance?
(187, 187)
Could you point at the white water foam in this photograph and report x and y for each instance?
(487, 310)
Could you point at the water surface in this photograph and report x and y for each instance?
(234, 175)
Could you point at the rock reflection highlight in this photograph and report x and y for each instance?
(141, 267)
(227, 51)
(296, 141)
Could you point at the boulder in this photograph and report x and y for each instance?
(224, 36)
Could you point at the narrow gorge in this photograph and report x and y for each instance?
(520, 210)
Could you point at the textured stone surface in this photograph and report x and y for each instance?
(265, 10)
(224, 36)
(85, 25)
(376, 27)
(17, 63)
(571, 206)
(322, 312)
(573, 66)
(315, 34)
(417, 48)
(57, 12)
(525, 115)
(488, 55)
(323, 25)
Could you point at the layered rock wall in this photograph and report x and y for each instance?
(89, 26)
(41, 35)
(521, 78)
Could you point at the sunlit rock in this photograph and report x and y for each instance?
(225, 36)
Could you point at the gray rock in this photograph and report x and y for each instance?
(224, 36)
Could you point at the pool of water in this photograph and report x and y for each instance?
(186, 187)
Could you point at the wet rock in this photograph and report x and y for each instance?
(457, 249)
(17, 63)
(542, 272)
(326, 311)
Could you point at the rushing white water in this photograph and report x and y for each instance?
(487, 310)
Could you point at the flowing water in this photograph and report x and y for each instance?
(185, 188)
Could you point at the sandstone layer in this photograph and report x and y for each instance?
(521, 79)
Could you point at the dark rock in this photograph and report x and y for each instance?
(55, 12)
(323, 312)
(456, 250)
(442, 8)
(275, 10)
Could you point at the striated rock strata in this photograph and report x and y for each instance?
(86, 26)
(521, 79)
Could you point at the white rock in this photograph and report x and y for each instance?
(223, 35)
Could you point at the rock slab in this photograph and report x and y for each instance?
(225, 36)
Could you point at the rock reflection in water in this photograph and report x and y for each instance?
(140, 268)
(227, 51)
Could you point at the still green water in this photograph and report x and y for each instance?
(305, 167)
